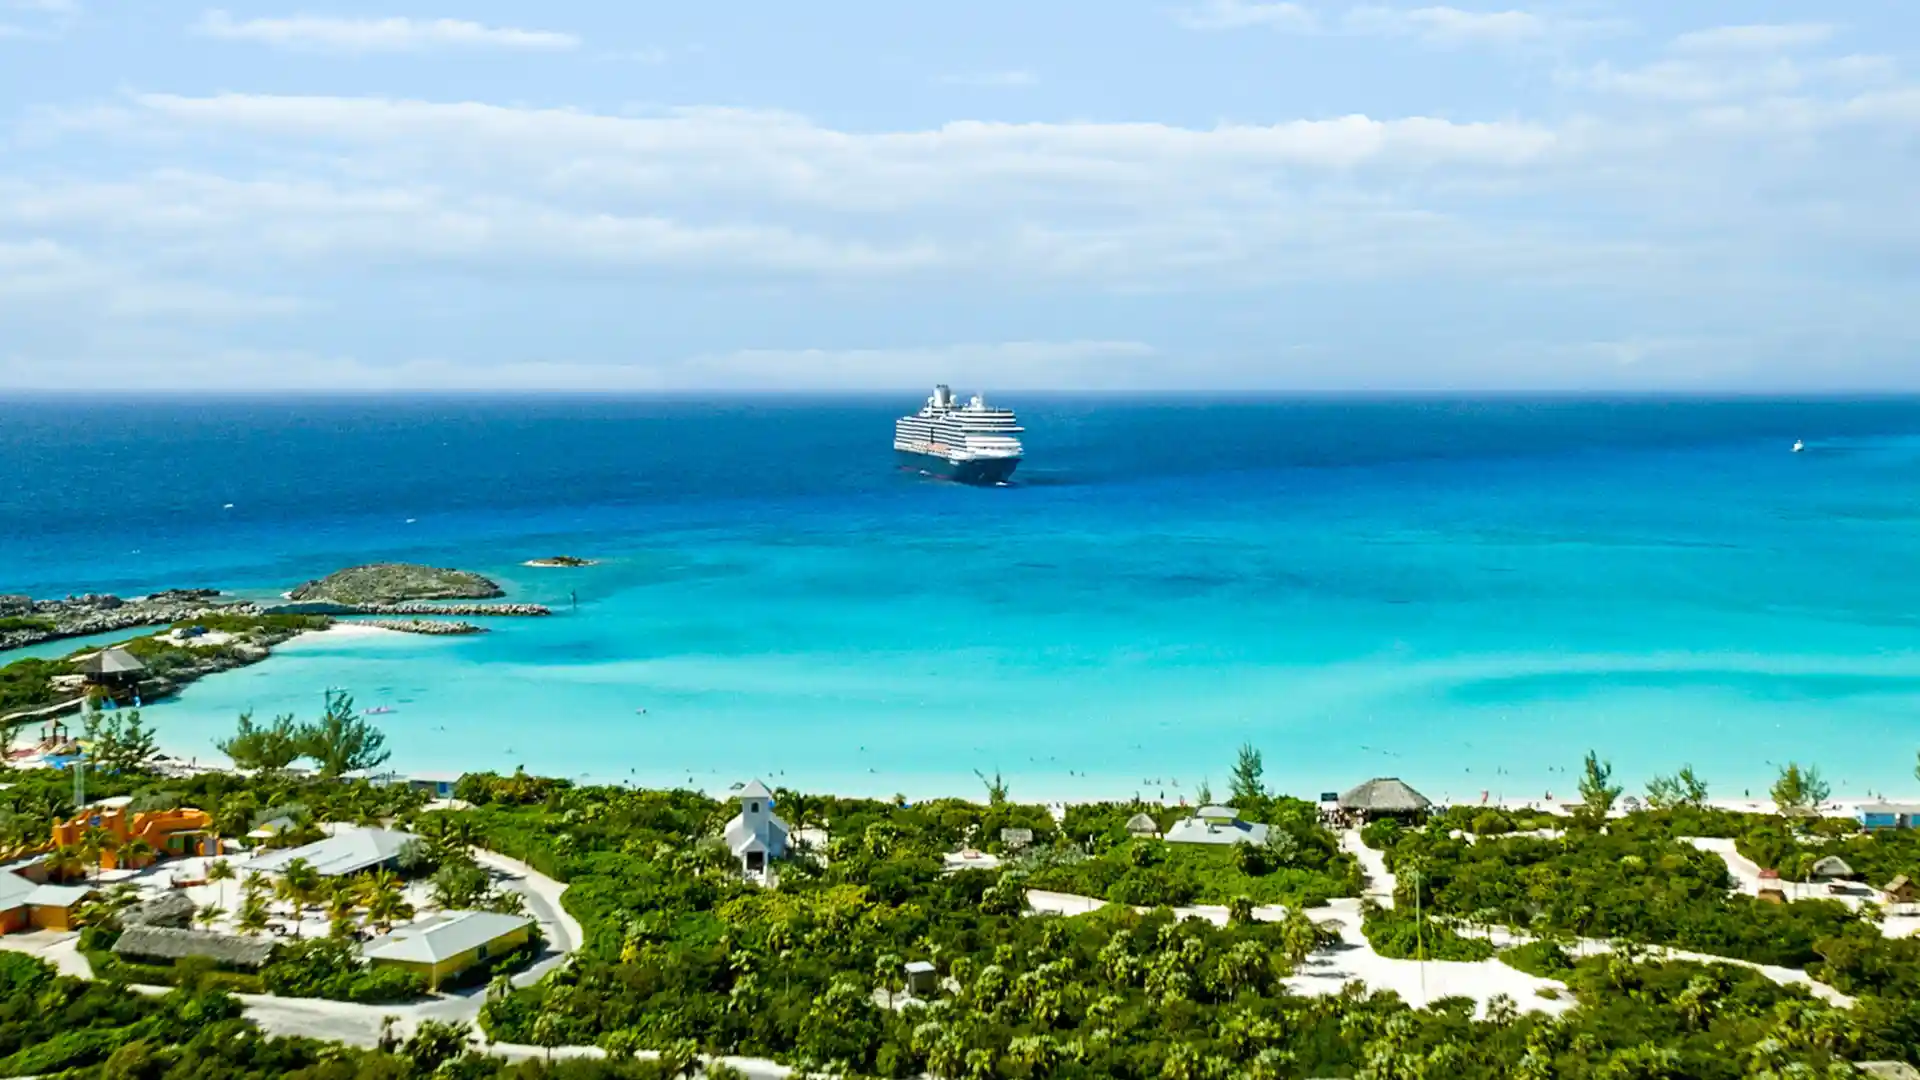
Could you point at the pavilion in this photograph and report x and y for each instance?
(1385, 796)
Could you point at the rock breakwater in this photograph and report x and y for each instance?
(426, 626)
(451, 609)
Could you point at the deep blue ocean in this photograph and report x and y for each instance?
(1465, 593)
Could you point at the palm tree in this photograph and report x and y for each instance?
(220, 870)
(64, 862)
(253, 915)
(134, 851)
(388, 906)
(256, 884)
(94, 845)
(209, 915)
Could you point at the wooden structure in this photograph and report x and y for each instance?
(148, 944)
(114, 673)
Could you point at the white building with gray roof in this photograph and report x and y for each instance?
(349, 851)
(1216, 825)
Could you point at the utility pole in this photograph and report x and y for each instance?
(79, 766)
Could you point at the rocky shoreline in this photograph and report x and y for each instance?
(554, 562)
(104, 613)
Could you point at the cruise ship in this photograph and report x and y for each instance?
(972, 443)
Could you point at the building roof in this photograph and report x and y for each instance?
(58, 896)
(1889, 808)
(1141, 823)
(348, 851)
(753, 789)
(174, 909)
(14, 891)
(114, 661)
(1832, 866)
(1899, 882)
(1385, 795)
(444, 936)
(1887, 1070)
(1225, 813)
(915, 967)
(1196, 830)
(167, 943)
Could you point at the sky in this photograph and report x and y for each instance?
(1085, 195)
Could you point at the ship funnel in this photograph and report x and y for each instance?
(942, 396)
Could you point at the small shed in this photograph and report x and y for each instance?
(1385, 796)
(169, 945)
(1832, 868)
(1142, 826)
(1770, 890)
(1900, 890)
(922, 979)
(173, 910)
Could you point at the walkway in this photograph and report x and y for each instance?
(1380, 884)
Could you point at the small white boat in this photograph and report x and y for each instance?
(1799, 447)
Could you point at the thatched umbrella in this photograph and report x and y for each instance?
(1142, 825)
(1386, 795)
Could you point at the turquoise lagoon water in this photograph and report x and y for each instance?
(1467, 594)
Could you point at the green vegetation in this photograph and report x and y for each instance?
(51, 1024)
(1630, 882)
(1542, 958)
(1800, 791)
(326, 968)
(392, 583)
(1399, 935)
(1152, 873)
(13, 623)
(340, 742)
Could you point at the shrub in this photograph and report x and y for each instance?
(1402, 937)
(1541, 958)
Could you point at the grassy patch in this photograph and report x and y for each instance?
(1151, 873)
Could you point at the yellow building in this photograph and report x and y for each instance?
(440, 948)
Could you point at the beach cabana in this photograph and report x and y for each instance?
(115, 670)
(1385, 796)
(1140, 826)
(1832, 868)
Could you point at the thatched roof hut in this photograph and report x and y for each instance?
(172, 910)
(168, 944)
(1142, 825)
(112, 662)
(1387, 795)
(1832, 868)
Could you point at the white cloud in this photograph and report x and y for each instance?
(1448, 25)
(1013, 365)
(1003, 79)
(1686, 81)
(344, 35)
(1234, 14)
(1774, 37)
(41, 277)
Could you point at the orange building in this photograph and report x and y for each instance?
(169, 833)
